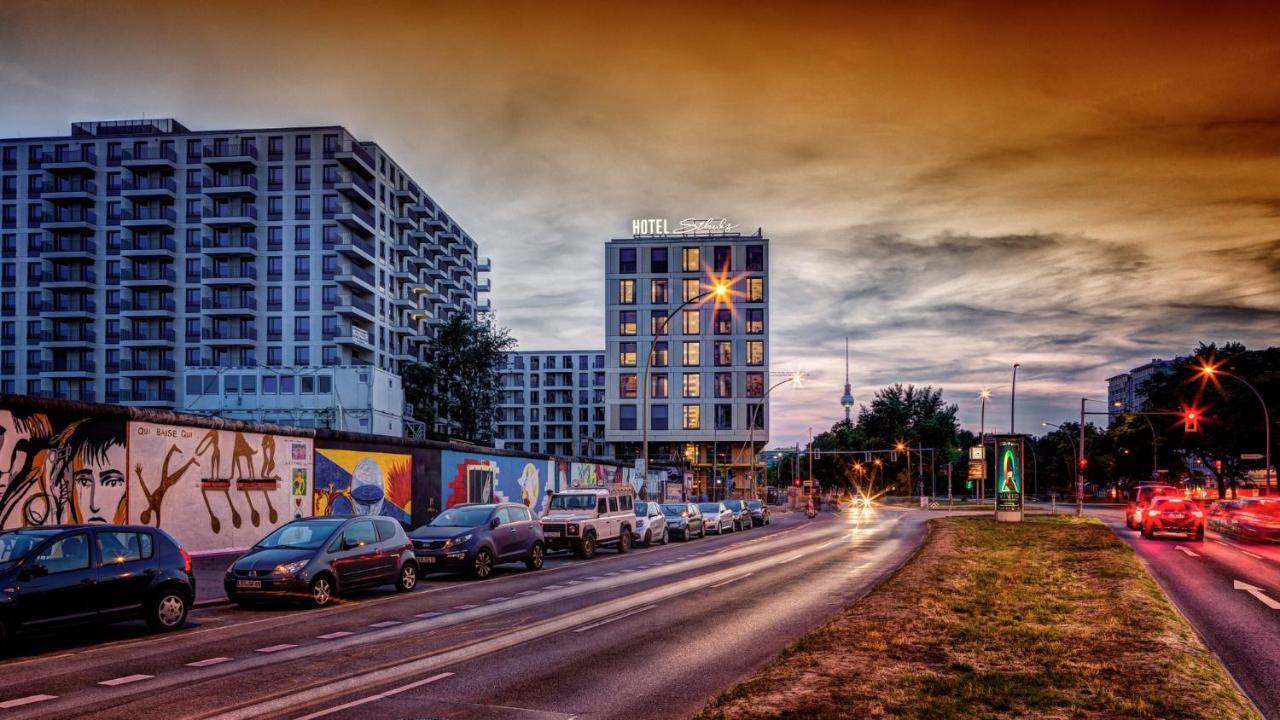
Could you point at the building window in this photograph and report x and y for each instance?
(301, 356)
(627, 260)
(723, 257)
(658, 322)
(724, 384)
(692, 385)
(658, 415)
(724, 321)
(755, 290)
(723, 352)
(658, 260)
(724, 417)
(626, 417)
(691, 417)
(755, 384)
(691, 259)
(660, 354)
(755, 352)
(755, 258)
(658, 292)
(690, 289)
(627, 354)
(692, 353)
(690, 321)
(627, 292)
(627, 385)
(755, 321)
(627, 322)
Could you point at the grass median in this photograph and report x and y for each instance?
(1053, 617)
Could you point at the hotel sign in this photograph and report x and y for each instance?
(687, 226)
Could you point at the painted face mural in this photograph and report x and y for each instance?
(56, 469)
(356, 482)
(100, 488)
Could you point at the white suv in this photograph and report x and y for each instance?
(586, 518)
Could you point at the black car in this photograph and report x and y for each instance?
(314, 559)
(741, 514)
(684, 520)
(473, 538)
(759, 512)
(69, 574)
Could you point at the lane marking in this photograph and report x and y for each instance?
(386, 623)
(334, 635)
(722, 583)
(825, 544)
(498, 599)
(125, 680)
(1252, 555)
(275, 648)
(797, 556)
(465, 607)
(1259, 594)
(374, 698)
(18, 702)
(527, 593)
(606, 621)
(431, 614)
(208, 661)
(574, 582)
(552, 587)
(1186, 550)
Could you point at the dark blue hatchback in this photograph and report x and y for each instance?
(473, 538)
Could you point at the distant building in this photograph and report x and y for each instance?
(1127, 392)
(553, 402)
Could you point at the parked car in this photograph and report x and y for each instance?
(1140, 497)
(73, 574)
(314, 559)
(741, 514)
(715, 516)
(474, 538)
(584, 519)
(759, 512)
(651, 524)
(1247, 518)
(684, 520)
(1167, 514)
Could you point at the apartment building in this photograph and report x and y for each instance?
(554, 402)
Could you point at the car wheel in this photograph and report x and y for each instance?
(482, 566)
(536, 557)
(587, 546)
(665, 537)
(4, 638)
(167, 611)
(624, 542)
(1146, 531)
(648, 539)
(408, 578)
(321, 590)
(1200, 534)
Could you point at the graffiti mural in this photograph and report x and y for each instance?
(215, 489)
(56, 468)
(474, 477)
(589, 475)
(356, 482)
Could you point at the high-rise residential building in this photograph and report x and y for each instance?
(553, 402)
(710, 360)
(138, 255)
(1127, 392)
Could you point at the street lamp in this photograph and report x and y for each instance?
(1013, 397)
(758, 408)
(1209, 371)
(720, 290)
(984, 395)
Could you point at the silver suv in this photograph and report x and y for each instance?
(584, 519)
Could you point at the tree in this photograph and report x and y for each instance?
(458, 387)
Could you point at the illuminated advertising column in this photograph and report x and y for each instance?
(1008, 478)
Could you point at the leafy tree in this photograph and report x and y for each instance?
(458, 388)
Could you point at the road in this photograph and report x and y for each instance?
(653, 633)
(1205, 580)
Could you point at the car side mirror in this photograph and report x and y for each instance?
(494, 523)
(349, 544)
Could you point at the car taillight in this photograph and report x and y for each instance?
(1152, 513)
(186, 560)
(1197, 513)
(1138, 513)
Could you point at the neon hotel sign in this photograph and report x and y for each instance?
(688, 226)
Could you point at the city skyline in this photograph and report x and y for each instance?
(959, 193)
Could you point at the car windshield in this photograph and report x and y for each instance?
(463, 516)
(303, 535)
(642, 509)
(573, 502)
(14, 546)
(754, 504)
(733, 504)
(709, 507)
(674, 510)
(1168, 503)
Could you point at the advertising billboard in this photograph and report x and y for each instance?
(1009, 478)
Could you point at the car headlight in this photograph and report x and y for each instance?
(573, 529)
(292, 567)
(458, 541)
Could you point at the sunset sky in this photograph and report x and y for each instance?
(957, 186)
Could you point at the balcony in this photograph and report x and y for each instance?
(357, 248)
(357, 339)
(71, 162)
(73, 306)
(359, 278)
(245, 305)
(420, 210)
(141, 305)
(149, 158)
(355, 157)
(70, 368)
(73, 336)
(220, 186)
(149, 246)
(357, 189)
(229, 336)
(149, 275)
(484, 306)
(143, 188)
(75, 191)
(243, 244)
(229, 275)
(230, 154)
(143, 217)
(76, 277)
(402, 220)
(357, 219)
(147, 336)
(355, 306)
(230, 216)
(72, 220)
(80, 248)
(146, 367)
(404, 275)
(147, 396)
(483, 285)
(484, 264)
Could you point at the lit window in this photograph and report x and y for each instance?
(658, 291)
(692, 417)
(658, 322)
(627, 322)
(724, 384)
(755, 384)
(627, 385)
(723, 352)
(755, 321)
(627, 292)
(755, 352)
(660, 354)
(691, 322)
(626, 354)
(692, 354)
(690, 289)
(724, 322)
(658, 386)
(692, 385)
(691, 259)
(755, 290)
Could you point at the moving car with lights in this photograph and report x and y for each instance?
(759, 512)
(684, 520)
(651, 524)
(474, 538)
(1140, 497)
(1167, 514)
(65, 575)
(314, 559)
(715, 516)
(583, 519)
(1255, 518)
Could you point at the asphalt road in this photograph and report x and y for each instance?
(653, 633)
(1210, 583)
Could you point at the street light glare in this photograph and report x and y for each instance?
(721, 290)
(985, 394)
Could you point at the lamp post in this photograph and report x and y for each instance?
(1210, 370)
(985, 395)
(751, 422)
(1013, 397)
(721, 291)
(1069, 441)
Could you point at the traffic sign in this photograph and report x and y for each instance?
(1250, 456)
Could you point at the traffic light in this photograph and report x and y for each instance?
(1084, 463)
(796, 482)
(1191, 422)
(968, 484)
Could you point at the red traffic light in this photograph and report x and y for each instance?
(1191, 422)
(796, 482)
(1084, 463)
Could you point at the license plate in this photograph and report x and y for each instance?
(426, 560)
(1176, 516)
(248, 583)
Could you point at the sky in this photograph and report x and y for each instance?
(955, 186)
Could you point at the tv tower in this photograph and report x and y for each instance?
(847, 399)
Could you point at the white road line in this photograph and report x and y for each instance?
(574, 582)
(333, 635)
(275, 648)
(527, 593)
(627, 614)
(498, 599)
(386, 623)
(1186, 550)
(825, 544)
(375, 698)
(552, 587)
(610, 574)
(722, 583)
(125, 680)
(1252, 555)
(426, 615)
(797, 556)
(594, 577)
(208, 661)
(19, 702)
(465, 607)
